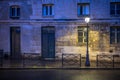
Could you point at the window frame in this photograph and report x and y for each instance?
(83, 30)
(81, 7)
(15, 11)
(48, 10)
(114, 34)
(115, 8)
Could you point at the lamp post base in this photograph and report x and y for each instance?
(87, 63)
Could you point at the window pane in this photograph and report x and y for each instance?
(85, 40)
(118, 6)
(86, 10)
(46, 10)
(18, 11)
(13, 11)
(118, 37)
(112, 12)
(112, 6)
(83, 9)
(112, 29)
(118, 12)
(112, 35)
(80, 39)
(80, 33)
(118, 29)
(112, 38)
(50, 10)
(85, 34)
(78, 9)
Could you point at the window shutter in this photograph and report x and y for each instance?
(78, 9)
(87, 9)
(44, 10)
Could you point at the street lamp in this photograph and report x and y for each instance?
(87, 63)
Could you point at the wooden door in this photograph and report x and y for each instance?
(15, 42)
(48, 42)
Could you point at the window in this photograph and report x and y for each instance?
(47, 10)
(82, 31)
(83, 9)
(115, 8)
(14, 11)
(114, 35)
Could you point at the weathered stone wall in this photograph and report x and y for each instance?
(65, 20)
(31, 38)
(63, 9)
(66, 36)
(25, 8)
(99, 37)
(4, 37)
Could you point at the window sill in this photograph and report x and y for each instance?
(15, 17)
(83, 15)
(81, 44)
(48, 16)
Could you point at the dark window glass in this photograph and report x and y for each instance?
(14, 12)
(118, 37)
(47, 10)
(18, 11)
(50, 10)
(83, 9)
(82, 34)
(115, 8)
(114, 35)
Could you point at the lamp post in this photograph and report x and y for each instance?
(87, 63)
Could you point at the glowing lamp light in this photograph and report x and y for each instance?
(87, 19)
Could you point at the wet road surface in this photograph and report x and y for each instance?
(59, 74)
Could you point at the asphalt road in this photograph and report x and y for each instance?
(54, 74)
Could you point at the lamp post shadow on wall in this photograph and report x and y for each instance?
(87, 62)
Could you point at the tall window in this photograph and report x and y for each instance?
(14, 11)
(83, 9)
(115, 8)
(115, 35)
(82, 31)
(47, 10)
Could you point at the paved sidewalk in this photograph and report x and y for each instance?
(51, 64)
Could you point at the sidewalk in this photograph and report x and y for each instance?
(52, 64)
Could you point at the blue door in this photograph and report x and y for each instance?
(48, 42)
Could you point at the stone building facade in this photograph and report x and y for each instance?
(53, 27)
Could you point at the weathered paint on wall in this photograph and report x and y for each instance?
(65, 20)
